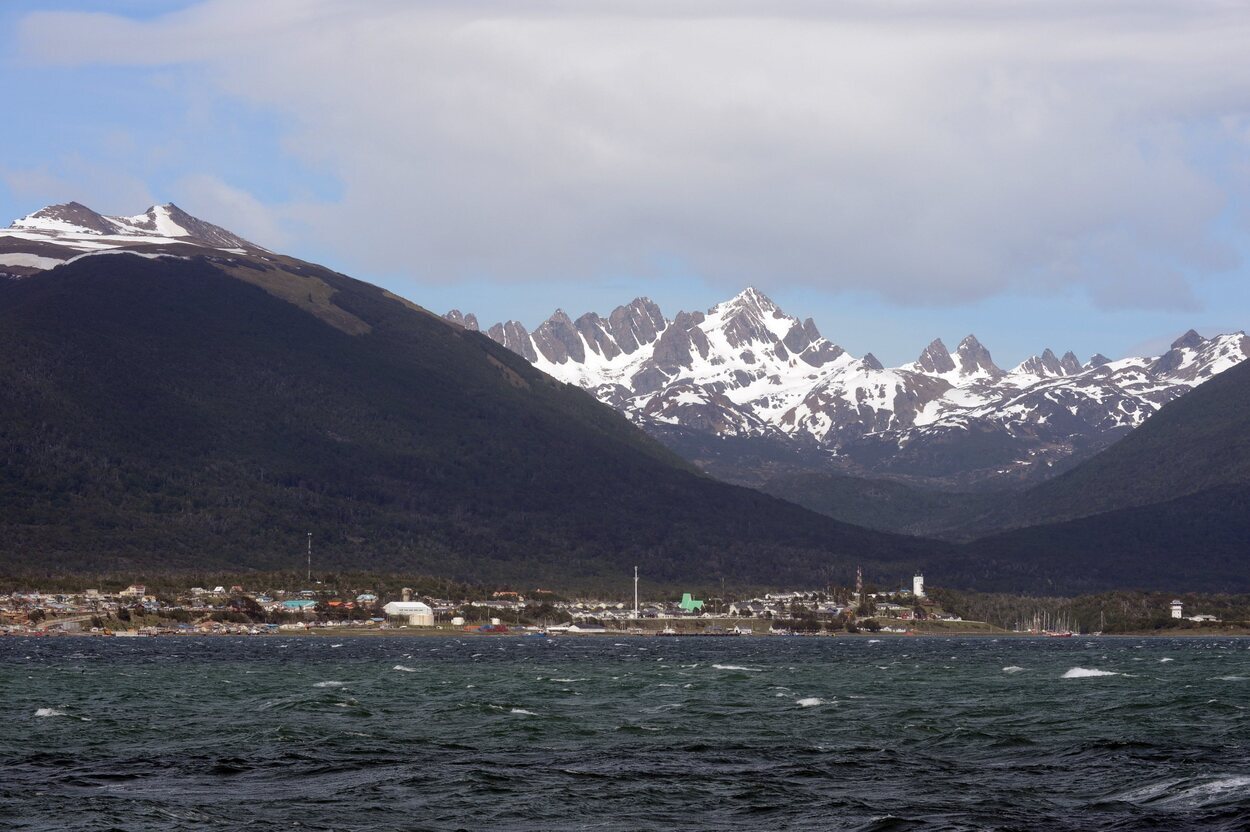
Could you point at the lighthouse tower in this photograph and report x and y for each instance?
(917, 585)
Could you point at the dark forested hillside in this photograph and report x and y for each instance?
(1167, 507)
(1197, 542)
(1198, 442)
(886, 505)
(177, 413)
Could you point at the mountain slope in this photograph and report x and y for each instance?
(1195, 542)
(886, 505)
(1164, 508)
(1196, 443)
(747, 370)
(208, 410)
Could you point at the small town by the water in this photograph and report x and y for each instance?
(237, 609)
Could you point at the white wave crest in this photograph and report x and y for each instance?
(1013, 668)
(329, 684)
(522, 712)
(810, 702)
(403, 668)
(1086, 673)
(1165, 659)
(738, 667)
(1186, 793)
(49, 712)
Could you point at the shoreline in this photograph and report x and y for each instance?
(361, 632)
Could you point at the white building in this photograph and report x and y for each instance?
(917, 585)
(1178, 609)
(413, 613)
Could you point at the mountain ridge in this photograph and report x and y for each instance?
(744, 368)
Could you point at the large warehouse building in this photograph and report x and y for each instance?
(412, 613)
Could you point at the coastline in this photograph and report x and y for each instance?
(372, 632)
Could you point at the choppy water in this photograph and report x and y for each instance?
(642, 733)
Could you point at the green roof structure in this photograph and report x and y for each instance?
(689, 604)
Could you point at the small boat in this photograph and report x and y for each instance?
(668, 631)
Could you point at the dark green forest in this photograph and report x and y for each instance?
(168, 414)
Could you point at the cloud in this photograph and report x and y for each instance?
(930, 155)
(75, 177)
(207, 196)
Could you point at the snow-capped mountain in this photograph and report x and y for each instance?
(746, 369)
(60, 233)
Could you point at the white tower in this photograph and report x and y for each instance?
(635, 592)
(917, 585)
(1178, 609)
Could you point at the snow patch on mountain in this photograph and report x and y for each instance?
(58, 233)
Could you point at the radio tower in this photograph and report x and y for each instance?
(635, 592)
(310, 558)
(859, 588)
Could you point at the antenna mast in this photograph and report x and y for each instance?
(310, 558)
(635, 592)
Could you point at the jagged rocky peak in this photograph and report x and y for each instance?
(594, 330)
(1176, 357)
(514, 336)
(1097, 360)
(753, 321)
(556, 339)
(807, 343)
(751, 300)
(1190, 340)
(871, 362)
(1049, 365)
(468, 321)
(936, 358)
(975, 359)
(682, 340)
(745, 319)
(636, 324)
(1046, 364)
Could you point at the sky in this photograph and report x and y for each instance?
(1071, 174)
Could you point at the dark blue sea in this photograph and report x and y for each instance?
(312, 733)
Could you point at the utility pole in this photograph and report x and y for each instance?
(310, 558)
(635, 593)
